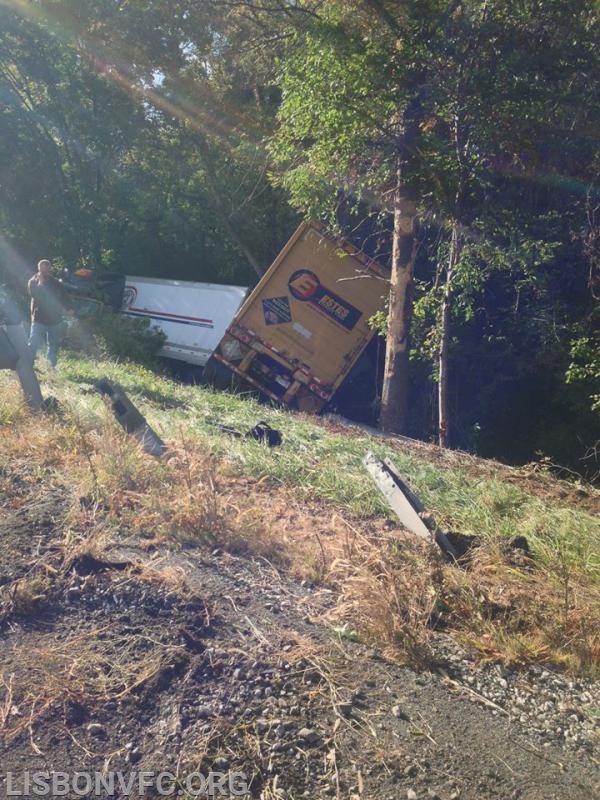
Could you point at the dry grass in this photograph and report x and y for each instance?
(390, 591)
(24, 597)
(94, 666)
(522, 613)
(389, 601)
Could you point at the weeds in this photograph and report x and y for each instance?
(389, 600)
(308, 508)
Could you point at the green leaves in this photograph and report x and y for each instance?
(336, 115)
(585, 366)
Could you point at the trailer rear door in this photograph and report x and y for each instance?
(300, 331)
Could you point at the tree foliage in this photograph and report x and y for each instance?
(120, 150)
(503, 105)
(179, 139)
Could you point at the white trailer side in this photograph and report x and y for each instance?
(193, 316)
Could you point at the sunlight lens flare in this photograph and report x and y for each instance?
(117, 68)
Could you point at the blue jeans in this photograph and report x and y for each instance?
(48, 333)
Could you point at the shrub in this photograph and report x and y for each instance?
(116, 336)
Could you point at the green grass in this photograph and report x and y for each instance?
(509, 610)
(320, 464)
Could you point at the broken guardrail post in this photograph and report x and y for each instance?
(405, 504)
(15, 353)
(130, 418)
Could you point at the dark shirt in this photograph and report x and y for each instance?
(47, 300)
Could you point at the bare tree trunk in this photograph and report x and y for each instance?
(443, 404)
(394, 397)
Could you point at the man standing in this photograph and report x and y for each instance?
(47, 308)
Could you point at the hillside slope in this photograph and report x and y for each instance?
(237, 607)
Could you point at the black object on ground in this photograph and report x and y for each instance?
(263, 432)
(52, 406)
(87, 564)
(462, 543)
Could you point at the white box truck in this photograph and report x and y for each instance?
(193, 316)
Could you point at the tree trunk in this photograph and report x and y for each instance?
(394, 397)
(443, 404)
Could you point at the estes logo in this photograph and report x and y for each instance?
(305, 286)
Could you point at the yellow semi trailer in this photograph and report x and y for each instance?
(298, 334)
